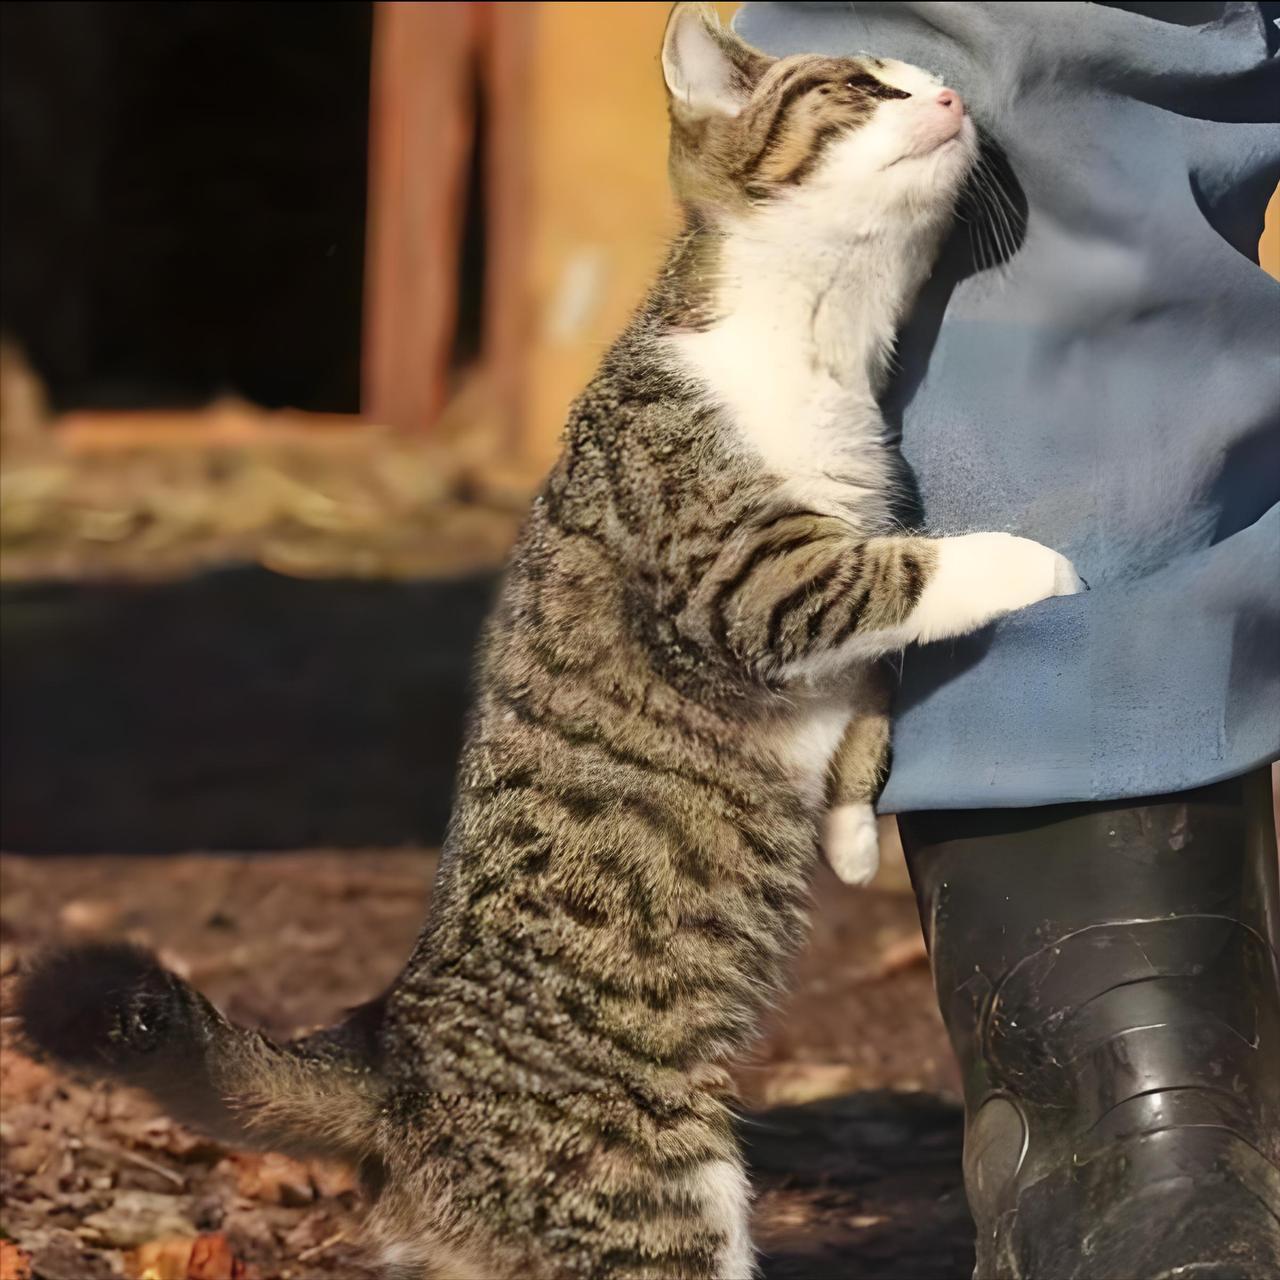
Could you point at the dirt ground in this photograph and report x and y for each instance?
(852, 1180)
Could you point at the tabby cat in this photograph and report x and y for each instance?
(678, 680)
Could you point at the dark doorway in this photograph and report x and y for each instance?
(183, 201)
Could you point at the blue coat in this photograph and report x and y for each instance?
(1112, 391)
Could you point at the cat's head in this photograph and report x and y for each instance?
(855, 144)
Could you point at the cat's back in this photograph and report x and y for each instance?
(622, 836)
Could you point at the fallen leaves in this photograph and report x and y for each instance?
(135, 1217)
(273, 1179)
(112, 1151)
(31, 1154)
(15, 1263)
(333, 1180)
(165, 1259)
(202, 1257)
(159, 1133)
(22, 1079)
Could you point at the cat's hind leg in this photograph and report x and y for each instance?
(850, 842)
(721, 1186)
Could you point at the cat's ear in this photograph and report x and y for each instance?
(708, 70)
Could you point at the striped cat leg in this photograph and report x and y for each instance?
(802, 597)
(916, 590)
(981, 576)
(850, 841)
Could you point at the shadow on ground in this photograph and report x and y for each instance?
(866, 1185)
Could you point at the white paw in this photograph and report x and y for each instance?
(982, 576)
(850, 842)
(1066, 580)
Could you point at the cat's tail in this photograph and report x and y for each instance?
(112, 1011)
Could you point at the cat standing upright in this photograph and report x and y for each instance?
(677, 680)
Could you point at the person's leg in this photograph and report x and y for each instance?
(1108, 977)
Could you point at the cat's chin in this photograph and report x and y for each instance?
(956, 143)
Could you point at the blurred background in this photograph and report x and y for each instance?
(293, 300)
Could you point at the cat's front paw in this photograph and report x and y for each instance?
(1034, 572)
(1066, 577)
(1008, 572)
(851, 843)
(982, 576)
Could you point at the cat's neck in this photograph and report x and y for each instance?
(830, 303)
(802, 343)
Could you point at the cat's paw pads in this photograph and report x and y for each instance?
(851, 843)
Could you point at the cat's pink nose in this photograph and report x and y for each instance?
(950, 99)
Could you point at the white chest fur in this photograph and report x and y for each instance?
(813, 433)
(806, 330)
(807, 741)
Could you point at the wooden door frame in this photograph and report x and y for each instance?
(427, 61)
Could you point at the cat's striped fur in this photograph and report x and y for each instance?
(685, 640)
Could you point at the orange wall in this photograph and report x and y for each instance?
(602, 209)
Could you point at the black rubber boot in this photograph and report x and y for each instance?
(1108, 977)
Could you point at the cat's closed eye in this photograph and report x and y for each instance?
(874, 88)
